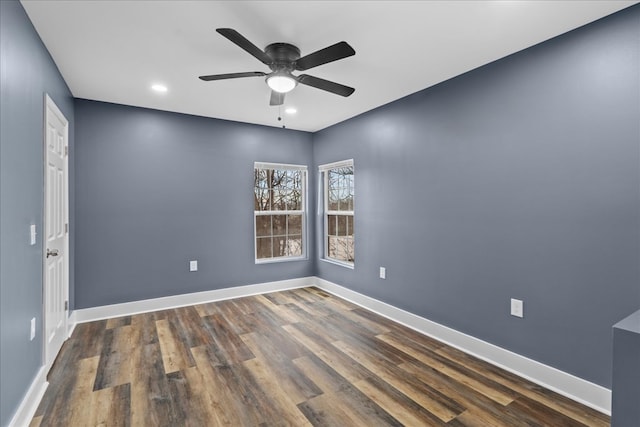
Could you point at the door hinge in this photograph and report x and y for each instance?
(66, 228)
(66, 150)
(66, 306)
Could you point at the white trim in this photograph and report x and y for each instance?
(281, 259)
(335, 165)
(582, 391)
(164, 303)
(71, 324)
(31, 400)
(266, 165)
(333, 261)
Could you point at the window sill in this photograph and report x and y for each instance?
(341, 264)
(280, 259)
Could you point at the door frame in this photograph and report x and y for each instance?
(51, 107)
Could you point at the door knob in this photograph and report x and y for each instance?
(52, 252)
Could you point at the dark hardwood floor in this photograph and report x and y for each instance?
(297, 358)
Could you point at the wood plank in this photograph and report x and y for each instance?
(243, 398)
(283, 401)
(396, 403)
(564, 405)
(115, 366)
(227, 346)
(78, 396)
(151, 400)
(109, 407)
(174, 356)
(430, 399)
(484, 386)
(532, 412)
(118, 322)
(344, 365)
(476, 403)
(343, 394)
(272, 364)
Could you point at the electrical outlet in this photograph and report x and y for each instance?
(517, 307)
(193, 265)
(383, 273)
(33, 329)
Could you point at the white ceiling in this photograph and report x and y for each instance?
(114, 51)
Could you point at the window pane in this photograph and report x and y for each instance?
(261, 199)
(263, 247)
(279, 178)
(279, 225)
(293, 180)
(294, 245)
(279, 246)
(279, 200)
(340, 248)
(294, 203)
(295, 224)
(332, 224)
(261, 190)
(332, 179)
(333, 200)
(263, 225)
(350, 225)
(342, 225)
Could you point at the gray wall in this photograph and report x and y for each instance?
(156, 189)
(520, 179)
(26, 73)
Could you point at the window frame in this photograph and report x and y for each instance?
(302, 211)
(326, 212)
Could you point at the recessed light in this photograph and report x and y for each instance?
(291, 110)
(159, 88)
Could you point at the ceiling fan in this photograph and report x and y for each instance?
(283, 59)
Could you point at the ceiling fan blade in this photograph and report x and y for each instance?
(277, 98)
(327, 85)
(245, 44)
(328, 54)
(232, 76)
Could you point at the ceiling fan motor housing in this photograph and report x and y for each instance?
(284, 56)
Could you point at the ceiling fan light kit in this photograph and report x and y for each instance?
(283, 59)
(281, 82)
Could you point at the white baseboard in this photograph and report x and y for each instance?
(31, 400)
(164, 303)
(582, 391)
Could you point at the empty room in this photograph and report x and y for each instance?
(320, 213)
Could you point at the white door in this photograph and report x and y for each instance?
(56, 244)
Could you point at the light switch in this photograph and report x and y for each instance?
(517, 307)
(383, 273)
(32, 335)
(32, 234)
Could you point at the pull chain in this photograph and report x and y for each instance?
(280, 116)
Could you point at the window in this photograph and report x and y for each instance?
(339, 193)
(279, 211)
